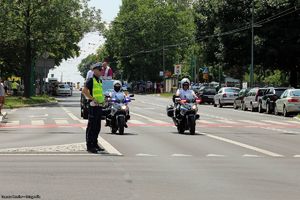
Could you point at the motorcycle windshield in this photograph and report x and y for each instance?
(189, 98)
(119, 97)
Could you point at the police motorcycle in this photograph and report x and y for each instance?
(118, 113)
(184, 113)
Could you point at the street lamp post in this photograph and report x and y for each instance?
(252, 46)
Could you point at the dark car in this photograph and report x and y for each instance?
(206, 94)
(267, 102)
(238, 102)
(252, 98)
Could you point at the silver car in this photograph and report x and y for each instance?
(226, 96)
(289, 102)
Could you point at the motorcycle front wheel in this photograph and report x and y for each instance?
(192, 125)
(121, 124)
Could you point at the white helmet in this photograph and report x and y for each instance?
(117, 82)
(185, 80)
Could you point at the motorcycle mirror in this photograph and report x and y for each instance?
(131, 95)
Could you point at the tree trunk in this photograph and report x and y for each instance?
(28, 57)
(293, 78)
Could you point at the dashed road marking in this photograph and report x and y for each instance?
(37, 122)
(252, 122)
(61, 122)
(145, 155)
(13, 123)
(274, 122)
(214, 155)
(263, 151)
(180, 155)
(132, 121)
(251, 156)
(148, 118)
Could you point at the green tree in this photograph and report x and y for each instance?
(149, 36)
(42, 26)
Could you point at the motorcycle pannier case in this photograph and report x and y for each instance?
(170, 110)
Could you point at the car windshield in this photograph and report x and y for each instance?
(279, 92)
(64, 86)
(261, 92)
(209, 91)
(295, 93)
(233, 90)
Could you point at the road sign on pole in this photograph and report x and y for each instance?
(177, 69)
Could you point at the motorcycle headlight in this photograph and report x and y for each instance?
(123, 107)
(194, 107)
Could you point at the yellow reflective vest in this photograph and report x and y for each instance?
(98, 91)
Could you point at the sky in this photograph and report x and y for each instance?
(67, 71)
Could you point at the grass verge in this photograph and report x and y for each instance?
(17, 102)
(167, 95)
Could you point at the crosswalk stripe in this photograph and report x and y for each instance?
(226, 121)
(148, 118)
(205, 122)
(294, 122)
(252, 122)
(13, 123)
(132, 121)
(274, 122)
(60, 121)
(37, 122)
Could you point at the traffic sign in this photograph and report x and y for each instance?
(177, 69)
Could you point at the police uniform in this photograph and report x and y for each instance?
(95, 113)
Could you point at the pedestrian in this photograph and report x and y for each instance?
(14, 87)
(89, 73)
(2, 97)
(5, 84)
(106, 71)
(93, 91)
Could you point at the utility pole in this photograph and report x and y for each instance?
(252, 45)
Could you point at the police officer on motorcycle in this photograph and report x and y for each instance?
(183, 93)
(117, 92)
(93, 91)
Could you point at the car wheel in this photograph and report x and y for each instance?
(251, 107)
(235, 106)
(220, 105)
(215, 105)
(285, 112)
(276, 110)
(260, 110)
(268, 109)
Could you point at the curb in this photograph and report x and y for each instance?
(35, 105)
(26, 106)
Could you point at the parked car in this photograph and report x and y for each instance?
(206, 94)
(267, 101)
(252, 98)
(63, 89)
(226, 96)
(288, 102)
(238, 102)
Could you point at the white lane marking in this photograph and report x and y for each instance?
(145, 155)
(153, 104)
(37, 108)
(132, 121)
(214, 155)
(280, 130)
(70, 114)
(83, 121)
(13, 123)
(251, 156)
(61, 122)
(39, 116)
(274, 122)
(14, 110)
(252, 122)
(266, 152)
(107, 146)
(148, 118)
(294, 122)
(180, 155)
(227, 121)
(205, 122)
(296, 156)
(37, 122)
(48, 154)
(225, 126)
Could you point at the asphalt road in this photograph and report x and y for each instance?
(234, 155)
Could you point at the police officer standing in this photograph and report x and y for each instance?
(94, 93)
